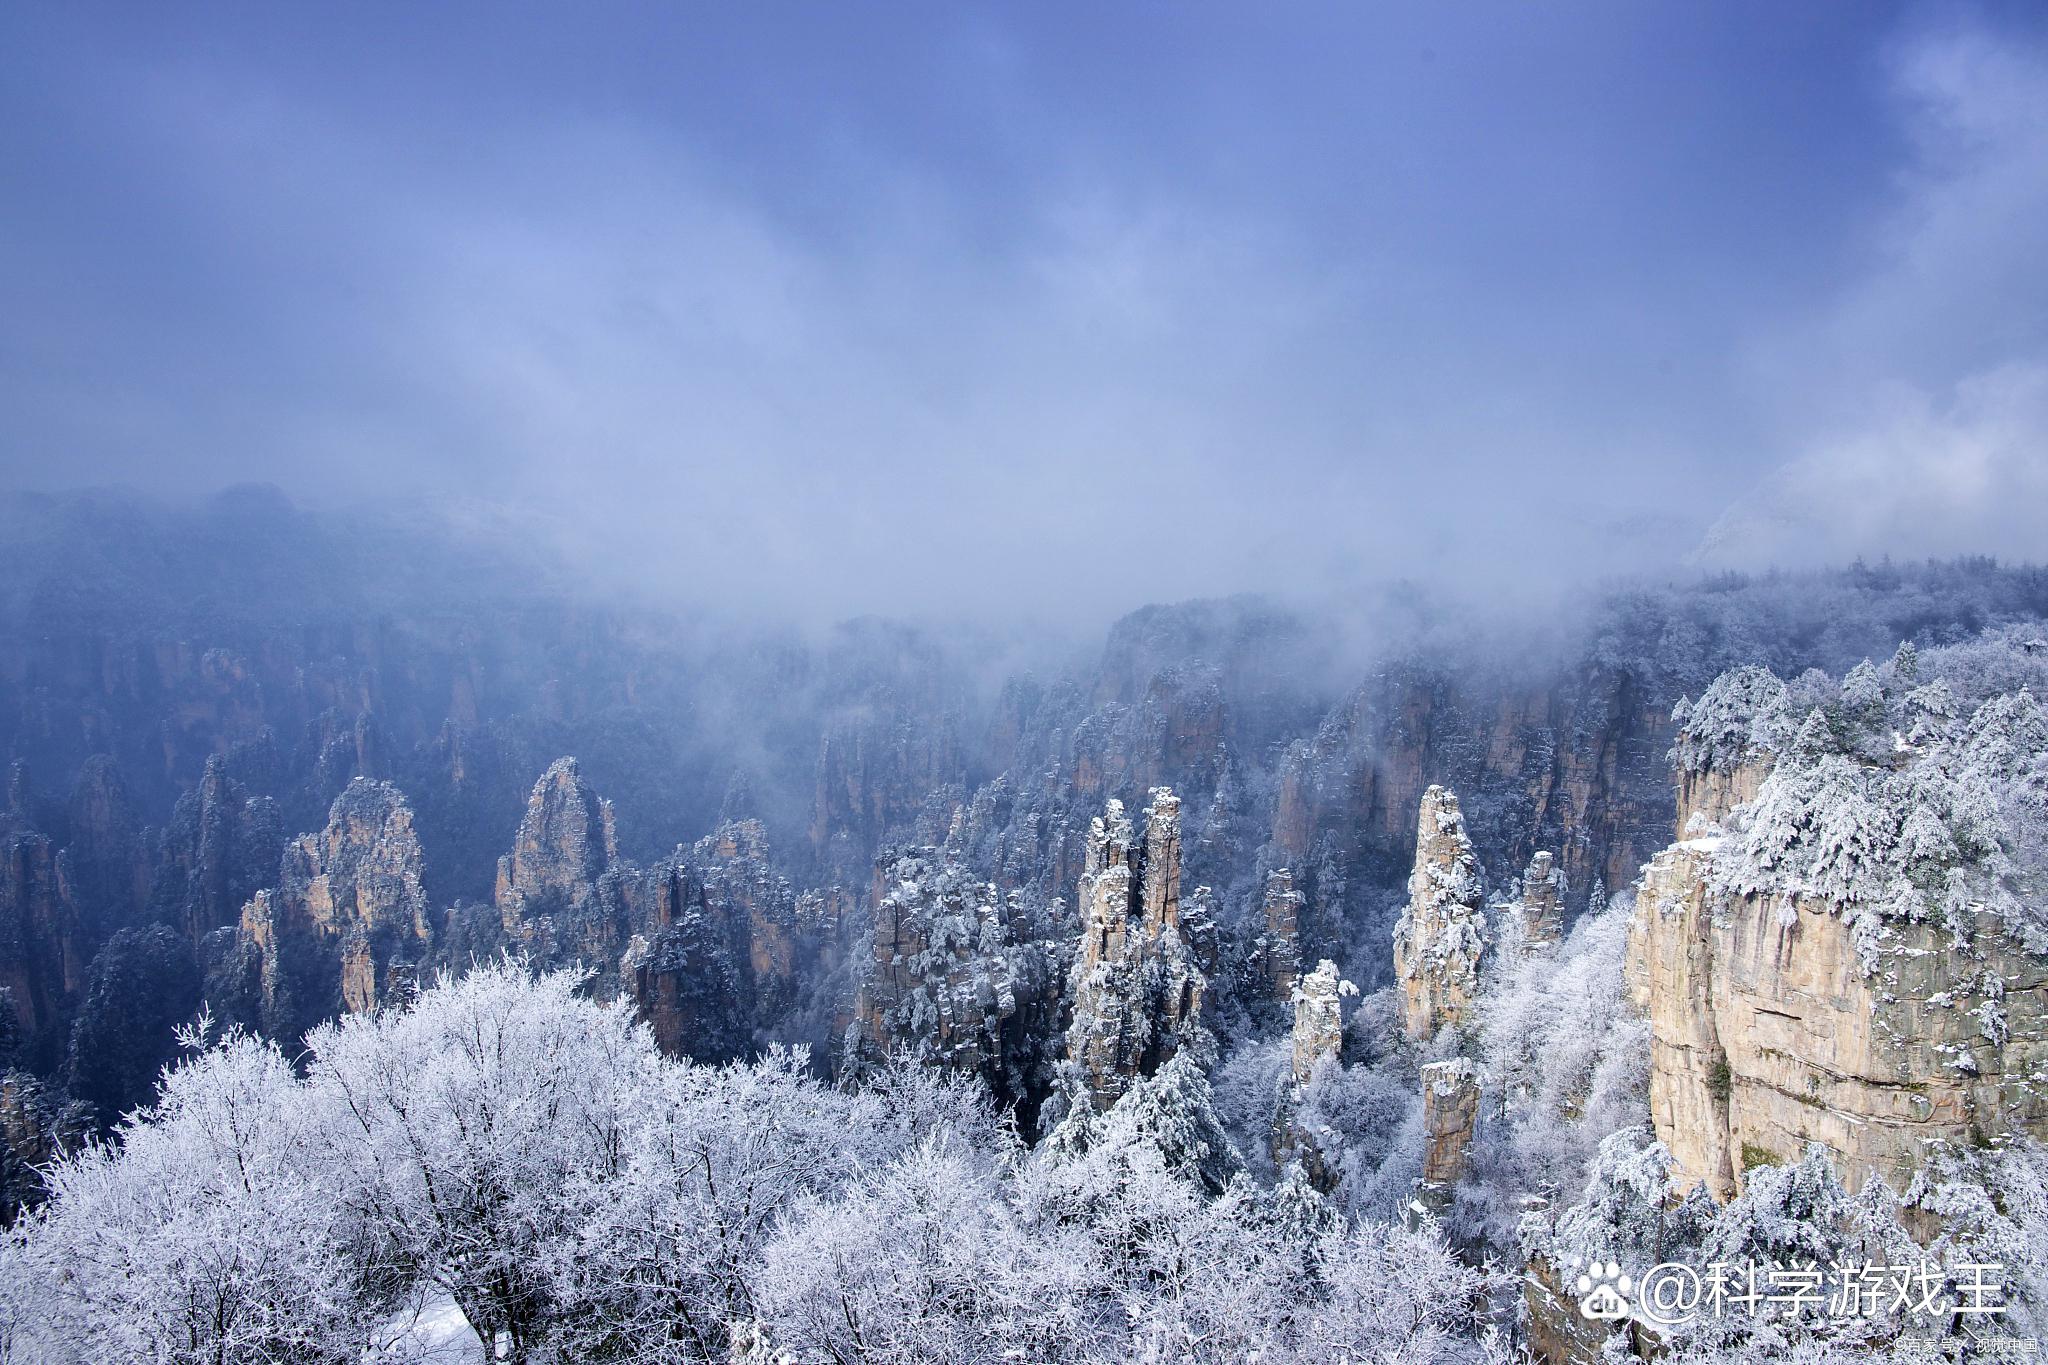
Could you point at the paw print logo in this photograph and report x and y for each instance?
(1603, 1291)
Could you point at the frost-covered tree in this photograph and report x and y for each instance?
(1792, 1216)
(1993, 1205)
(457, 1131)
(657, 1261)
(1630, 1210)
(1171, 1113)
(209, 1232)
(1889, 806)
(914, 1262)
(1742, 713)
(1564, 1060)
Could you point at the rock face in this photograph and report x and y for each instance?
(347, 926)
(880, 757)
(1279, 946)
(1442, 933)
(221, 847)
(1708, 796)
(1834, 951)
(1136, 984)
(556, 897)
(1542, 904)
(941, 985)
(44, 945)
(1450, 1113)
(1318, 1019)
(1767, 1034)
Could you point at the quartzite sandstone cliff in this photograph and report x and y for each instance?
(1788, 1003)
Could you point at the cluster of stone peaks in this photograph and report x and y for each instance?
(706, 942)
(1138, 980)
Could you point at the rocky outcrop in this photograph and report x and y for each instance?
(345, 747)
(558, 894)
(62, 894)
(36, 1127)
(681, 968)
(1708, 796)
(1542, 904)
(1558, 1333)
(721, 944)
(143, 986)
(44, 943)
(347, 926)
(941, 985)
(1450, 1113)
(221, 847)
(107, 848)
(1136, 985)
(1279, 946)
(1450, 1117)
(1767, 1033)
(1834, 951)
(758, 909)
(1318, 1019)
(1317, 1038)
(1442, 933)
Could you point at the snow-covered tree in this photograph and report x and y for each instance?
(1564, 1060)
(209, 1232)
(458, 1130)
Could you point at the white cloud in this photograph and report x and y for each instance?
(1965, 475)
(1923, 392)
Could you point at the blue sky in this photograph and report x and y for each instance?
(937, 306)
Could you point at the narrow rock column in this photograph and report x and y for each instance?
(1450, 1112)
(1318, 1019)
(1136, 983)
(1542, 904)
(1280, 952)
(1318, 1034)
(1442, 933)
